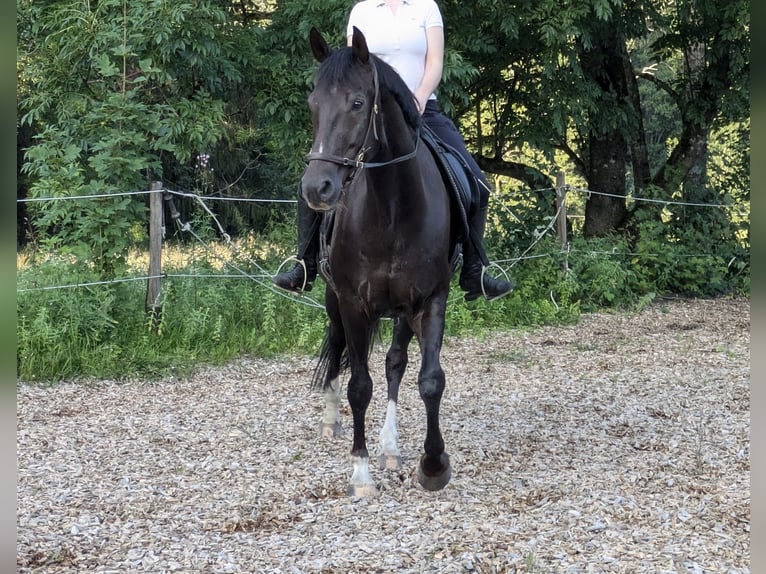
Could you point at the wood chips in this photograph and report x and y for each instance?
(620, 444)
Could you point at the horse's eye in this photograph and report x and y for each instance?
(357, 105)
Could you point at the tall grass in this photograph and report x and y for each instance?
(104, 331)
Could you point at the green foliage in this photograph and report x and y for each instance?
(601, 270)
(54, 329)
(96, 229)
(544, 294)
(680, 257)
(115, 90)
(121, 93)
(728, 170)
(104, 331)
(284, 71)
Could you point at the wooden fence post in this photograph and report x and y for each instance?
(561, 209)
(154, 285)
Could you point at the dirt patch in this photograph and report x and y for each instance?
(620, 444)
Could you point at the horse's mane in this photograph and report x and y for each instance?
(339, 66)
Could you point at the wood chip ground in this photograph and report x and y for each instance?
(620, 444)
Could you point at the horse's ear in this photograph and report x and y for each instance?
(359, 44)
(319, 47)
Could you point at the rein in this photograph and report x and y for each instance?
(358, 162)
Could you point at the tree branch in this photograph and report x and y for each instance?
(662, 85)
(530, 176)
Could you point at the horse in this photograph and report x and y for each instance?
(391, 250)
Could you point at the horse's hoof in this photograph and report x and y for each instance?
(390, 462)
(435, 479)
(330, 430)
(362, 490)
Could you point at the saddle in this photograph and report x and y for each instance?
(461, 183)
(457, 176)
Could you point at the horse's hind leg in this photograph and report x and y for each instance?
(435, 471)
(334, 345)
(396, 362)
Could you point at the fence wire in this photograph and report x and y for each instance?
(263, 277)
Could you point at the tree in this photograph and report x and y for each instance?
(605, 62)
(709, 45)
(116, 91)
(559, 76)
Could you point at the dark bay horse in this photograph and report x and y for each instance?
(391, 248)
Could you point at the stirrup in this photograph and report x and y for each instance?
(305, 275)
(481, 282)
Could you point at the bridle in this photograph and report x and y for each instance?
(358, 162)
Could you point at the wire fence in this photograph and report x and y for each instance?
(263, 276)
(196, 196)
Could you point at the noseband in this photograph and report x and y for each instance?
(358, 162)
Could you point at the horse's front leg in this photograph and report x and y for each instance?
(434, 471)
(396, 362)
(359, 394)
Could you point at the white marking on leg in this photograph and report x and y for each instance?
(361, 483)
(331, 414)
(389, 435)
(330, 426)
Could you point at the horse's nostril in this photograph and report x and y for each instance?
(326, 190)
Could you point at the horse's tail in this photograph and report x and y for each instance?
(319, 379)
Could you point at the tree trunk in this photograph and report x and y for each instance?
(687, 161)
(606, 63)
(695, 183)
(608, 157)
(639, 154)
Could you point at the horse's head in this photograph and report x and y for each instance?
(343, 107)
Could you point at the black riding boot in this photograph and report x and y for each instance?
(471, 274)
(308, 249)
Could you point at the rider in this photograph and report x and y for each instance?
(409, 36)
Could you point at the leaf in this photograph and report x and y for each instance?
(105, 66)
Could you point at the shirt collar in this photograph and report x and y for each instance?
(383, 3)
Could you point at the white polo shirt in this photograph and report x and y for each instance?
(397, 39)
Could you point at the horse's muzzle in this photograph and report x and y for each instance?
(320, 206)
(321, 194)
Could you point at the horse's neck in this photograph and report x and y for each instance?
(396, 194)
